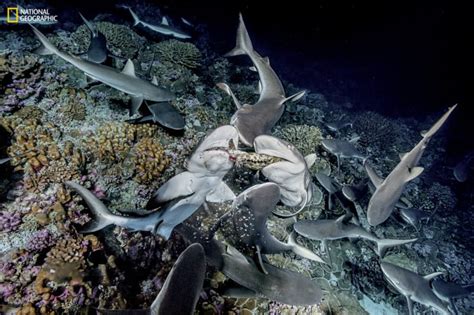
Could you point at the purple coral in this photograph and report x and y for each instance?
(41, 239)
(9, 221)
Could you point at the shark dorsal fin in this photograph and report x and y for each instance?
(129, 68)
(433, 275)
(414, 172)
(402, 155)
(164, 21)
(154, 81)
(310, 159)
(341, 219)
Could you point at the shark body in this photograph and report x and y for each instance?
(324, 230)
(389, 191)
(342, 149)
(292, 174)
(184, 284)
(163, 28)
(125, 81)
(414, 287)
(258, 119)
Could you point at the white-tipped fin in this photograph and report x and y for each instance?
(384, 244)
(164, 21)
(414, 173)
(154, 81)
(310, 159)
(136, 103)
(296, 96)
(374, 177)
(302, 251)
(102, 216)
(253, 68)
(129, 68)
(439, 123)
(243, 43)
(136, 20)
(224, 87)
(433, 275)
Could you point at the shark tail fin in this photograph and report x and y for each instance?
(136, 20)
(439, 123)
(302, 251)
(384, 244)
(243, 43)
(102, 216)
(47, 48)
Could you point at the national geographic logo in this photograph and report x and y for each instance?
(18, 14)
(12, 15)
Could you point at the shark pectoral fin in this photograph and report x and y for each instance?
(373, 176)
(259, 260)
(410, 305)
(266, 60)
(433, 275)
(310, 159)
(302, 251)
(414, 173)
(224, 87)
(136, 103)
(220, 194)
(164, 21)
(129, 68)
(296, 96)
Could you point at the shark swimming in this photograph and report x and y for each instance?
(389, 191)
(279, 285)
(247, 220)
(414, 217)
(125, 81)
(461, 170)
(414, 287)
(324, 230)
(342, 149)
(330, 185)
(184, 283)
(163, 28)
(258, 119)
(337, 126)
(292, 174)
(180, 196)
(448, 291)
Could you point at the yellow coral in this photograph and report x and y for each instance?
(149, 159)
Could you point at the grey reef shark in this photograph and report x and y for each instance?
(279, 285)
(97, 51)
(259, 118)
(414, 287)
(448, 291)
(389, 191)
(181, 290)
(291, 175)
(245, 225)
(325, 230)
(342, 149)
(163, 28)
(125, 80)
(180, 196)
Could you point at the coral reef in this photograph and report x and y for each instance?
(175, 52)
(149, 159)
(304, 137)
(376, 131)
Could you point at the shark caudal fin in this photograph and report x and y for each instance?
(302, 251)
(136, 19)
(439, 123)
(384, 244)
(47, 48)
(243, 43)
(102, 216)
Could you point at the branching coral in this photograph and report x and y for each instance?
(178, 53)
(304, 137)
